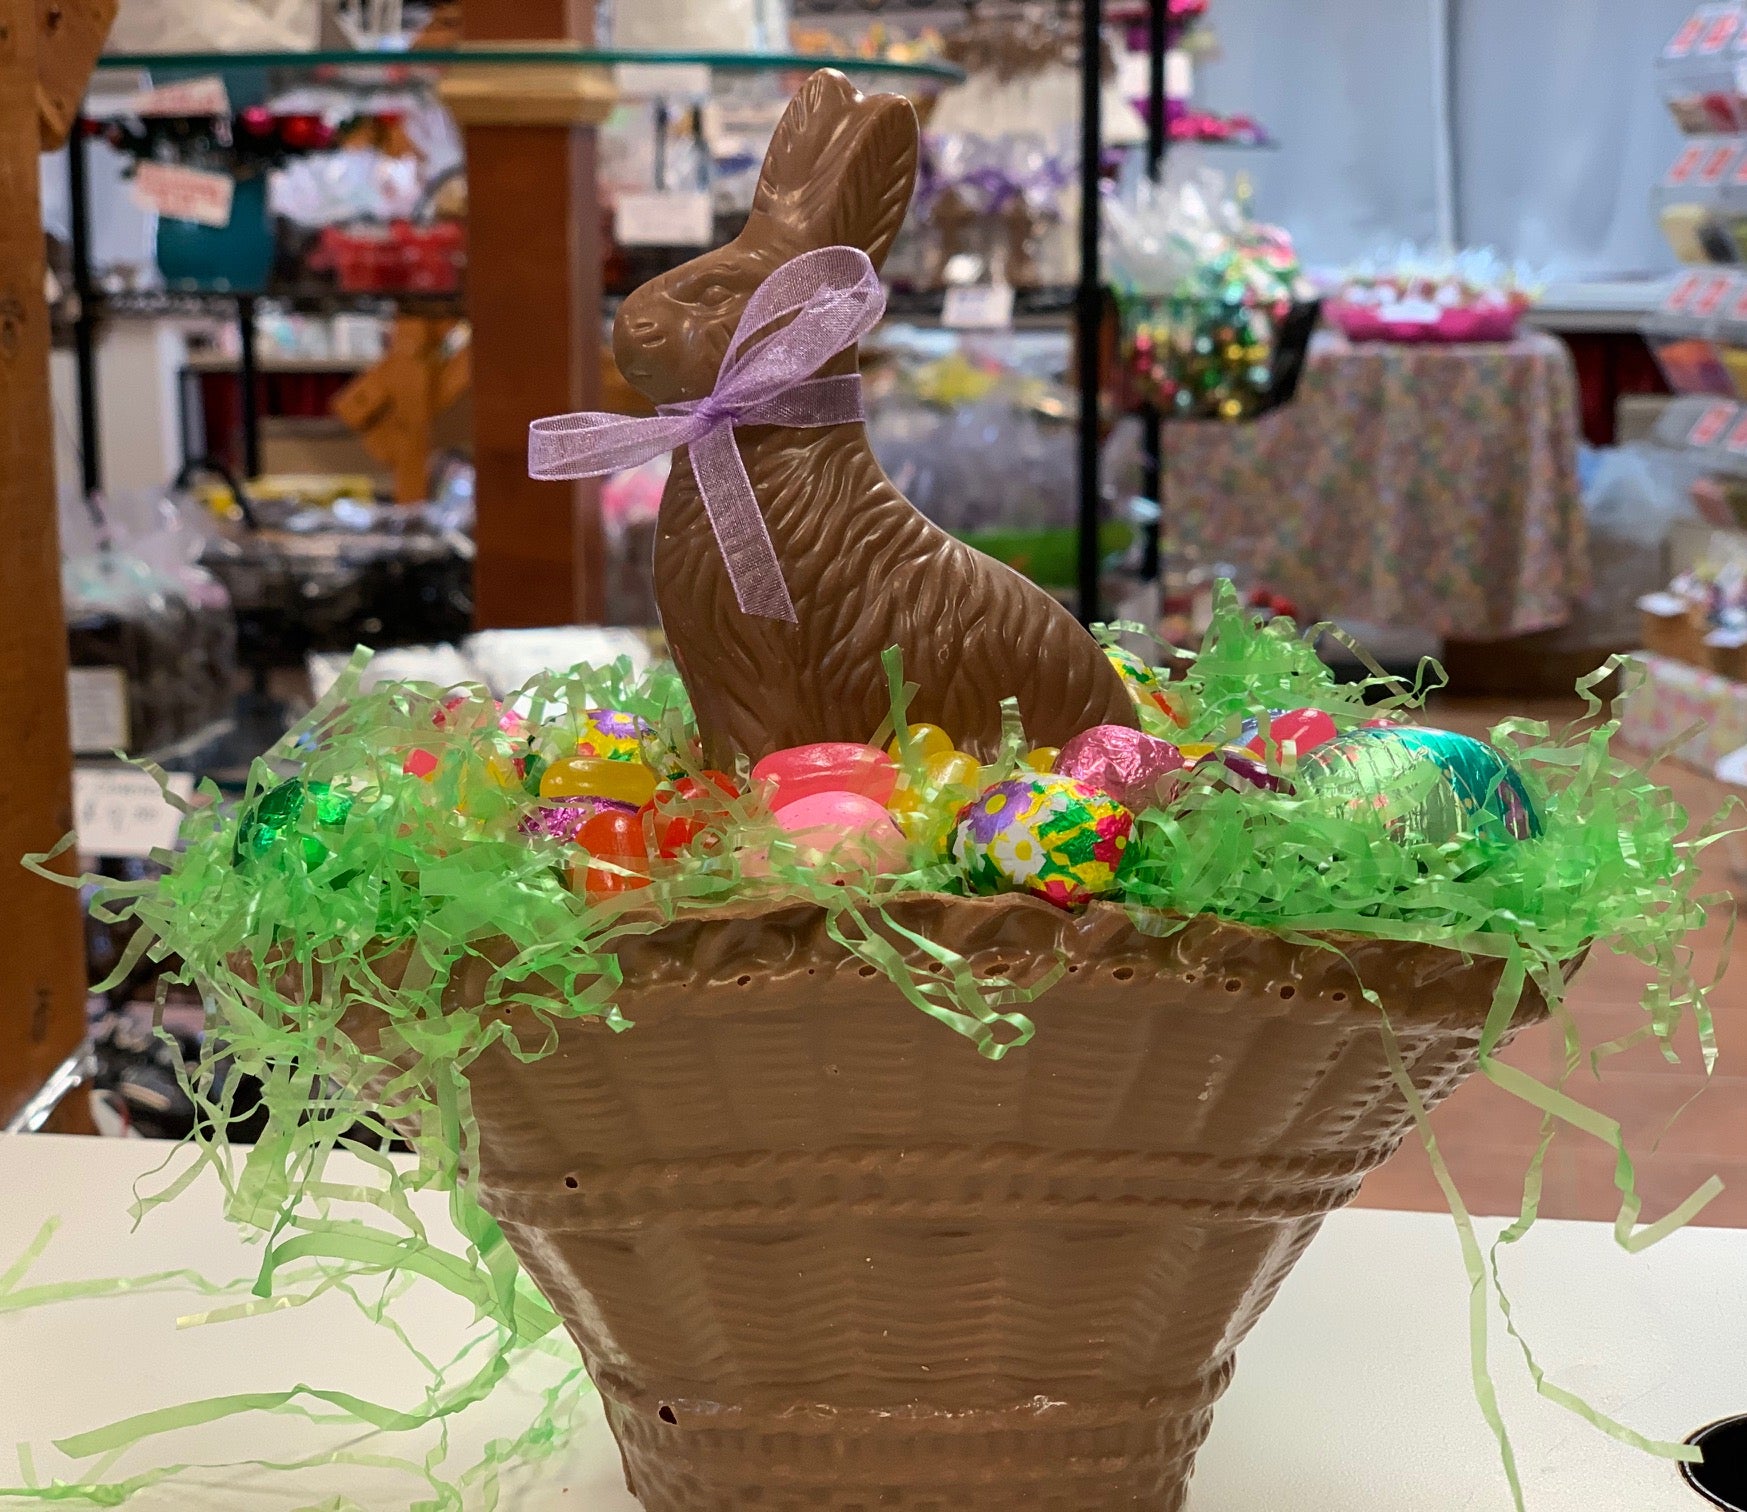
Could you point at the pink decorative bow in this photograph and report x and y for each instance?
(835, 298)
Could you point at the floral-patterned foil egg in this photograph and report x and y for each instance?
(608, 735)
(1145, 686)
(1050, 836)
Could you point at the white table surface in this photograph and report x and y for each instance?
(1353, 1394)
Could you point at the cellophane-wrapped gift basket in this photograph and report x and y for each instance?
(906, 1042)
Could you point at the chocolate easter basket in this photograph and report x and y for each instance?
(818, 1250)
(819, 1254)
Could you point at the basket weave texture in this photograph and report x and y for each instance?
(819, 1254)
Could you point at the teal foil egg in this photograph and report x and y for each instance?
(1423, 786)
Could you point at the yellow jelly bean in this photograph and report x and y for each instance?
(953, 769)
(586, 777)
(1043, 759)
(926, 741)
(480, 792)
(1194, 753)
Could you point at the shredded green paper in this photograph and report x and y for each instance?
(361, 894)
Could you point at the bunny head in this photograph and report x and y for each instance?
(840, 172)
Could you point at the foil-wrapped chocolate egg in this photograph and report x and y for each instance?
(1423, 786)
(1138, 770)
(1046, 835)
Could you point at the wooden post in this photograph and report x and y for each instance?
(42, 948)
(534, 296)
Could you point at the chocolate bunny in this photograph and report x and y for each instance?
(865, 570)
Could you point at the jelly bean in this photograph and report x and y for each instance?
(1043, 759)
(1196, 753)
(617, 837)
(1303, 729)
(421, 764)
(953, 769)
(510, 722)
(683, 810)
(585, 777)
(483, 786)
(785, 777)
(925, 740)
(843, 832)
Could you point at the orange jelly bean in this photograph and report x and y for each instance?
(616, 837)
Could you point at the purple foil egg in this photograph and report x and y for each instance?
(561, 821)
(1139, 771)
(1243, 764)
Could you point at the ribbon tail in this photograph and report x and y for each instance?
(740, 530)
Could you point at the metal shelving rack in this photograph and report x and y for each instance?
(91, 304)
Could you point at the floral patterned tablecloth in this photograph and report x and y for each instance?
(1423, 486)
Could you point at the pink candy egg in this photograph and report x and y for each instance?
(849, 832)
(786, 777)
(1136, 769)
(1304, 729)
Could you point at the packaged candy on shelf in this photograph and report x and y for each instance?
(1411, 295)
(1213, 303)
(1698, 198)
(1697, 71)
(1687, 334)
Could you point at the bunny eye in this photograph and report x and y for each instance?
(715, 292)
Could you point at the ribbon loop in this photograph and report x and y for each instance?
(829, 300)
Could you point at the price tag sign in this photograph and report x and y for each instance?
(978, 307)
(191, 97)
(663, 218)
(1715, 292)
(1710, 427)
(1684, 167)
(119, 811)
(1687, 37)
(1680, 296)
(189, 194)
(1718, 163)
(1721, 32)
(97, 708)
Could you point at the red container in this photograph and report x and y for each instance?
(397, 258)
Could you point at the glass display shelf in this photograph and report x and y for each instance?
(526, 57)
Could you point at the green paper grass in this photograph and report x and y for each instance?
(364, 914)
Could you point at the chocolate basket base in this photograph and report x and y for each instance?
(819, 1254)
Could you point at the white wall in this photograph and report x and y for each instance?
(1559, 128)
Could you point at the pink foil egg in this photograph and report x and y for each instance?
(1138, 770)
(844, 832)
(786, 777)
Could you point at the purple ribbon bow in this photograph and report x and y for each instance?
(835, 298)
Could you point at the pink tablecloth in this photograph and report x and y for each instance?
(1420, 486)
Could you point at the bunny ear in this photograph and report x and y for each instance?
(842, 166)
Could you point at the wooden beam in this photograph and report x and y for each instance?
(534, 297)
(42, 944)
(70, 35)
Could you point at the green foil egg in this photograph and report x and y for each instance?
(1422, 786)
